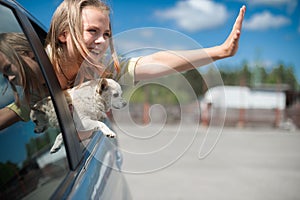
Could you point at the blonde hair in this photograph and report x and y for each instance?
(68, 18)
(14, 46)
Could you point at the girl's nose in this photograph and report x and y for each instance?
(11, 78)
(100, 39)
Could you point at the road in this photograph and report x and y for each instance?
(170, 162)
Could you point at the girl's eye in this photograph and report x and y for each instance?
(92, 31)
(107, 35)
(7, 68)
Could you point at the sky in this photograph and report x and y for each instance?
(270, 35)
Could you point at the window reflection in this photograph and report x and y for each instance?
(26, 166)
(27, 169)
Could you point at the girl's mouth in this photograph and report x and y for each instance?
(96, 51)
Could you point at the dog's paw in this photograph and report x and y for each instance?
(105, 130)
(54, 150)
(57, 144)
(110, 134)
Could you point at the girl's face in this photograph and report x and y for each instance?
(96, 30)
(9, 70)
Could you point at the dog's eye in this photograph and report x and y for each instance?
(115, 95)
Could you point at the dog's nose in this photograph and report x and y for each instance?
(40, 130)
(124, 104)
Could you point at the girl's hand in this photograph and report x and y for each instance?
(230, 46)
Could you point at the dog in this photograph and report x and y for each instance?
(88, 103)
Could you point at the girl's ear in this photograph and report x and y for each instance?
(62, 37)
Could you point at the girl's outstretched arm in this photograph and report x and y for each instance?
(165, 62)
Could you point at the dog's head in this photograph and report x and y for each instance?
(39, 117)
(111, 92)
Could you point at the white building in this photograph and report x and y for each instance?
(237, 97)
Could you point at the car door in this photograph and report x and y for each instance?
(81, 169)
(27, 168)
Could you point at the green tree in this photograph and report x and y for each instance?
(196, 81)
(283, 75)
(244, 76)
(7, 171)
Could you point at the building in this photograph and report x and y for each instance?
(238, 105)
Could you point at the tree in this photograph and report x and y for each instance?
(245, 76)
(196, 81)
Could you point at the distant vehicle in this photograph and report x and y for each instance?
(89, 169)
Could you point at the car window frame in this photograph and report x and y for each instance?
(74, 149)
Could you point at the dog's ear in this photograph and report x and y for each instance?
(102, 86)
(41, 105)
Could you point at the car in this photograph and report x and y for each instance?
(81, 169)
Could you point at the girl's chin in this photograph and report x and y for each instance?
(94, 54)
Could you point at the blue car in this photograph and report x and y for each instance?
(87, 168)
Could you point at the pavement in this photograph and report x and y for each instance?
(193, 162)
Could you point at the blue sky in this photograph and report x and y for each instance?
(271, 33)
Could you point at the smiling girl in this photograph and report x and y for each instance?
(81, 30)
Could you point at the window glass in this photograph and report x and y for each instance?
(8, 22)
(27, 168)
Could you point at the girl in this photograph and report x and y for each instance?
(81, 30)
(18, 66)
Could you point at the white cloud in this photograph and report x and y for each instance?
(265, 21)
(271, 2)
(195, 15)
(290, 4)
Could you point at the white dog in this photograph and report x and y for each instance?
(90, 102)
